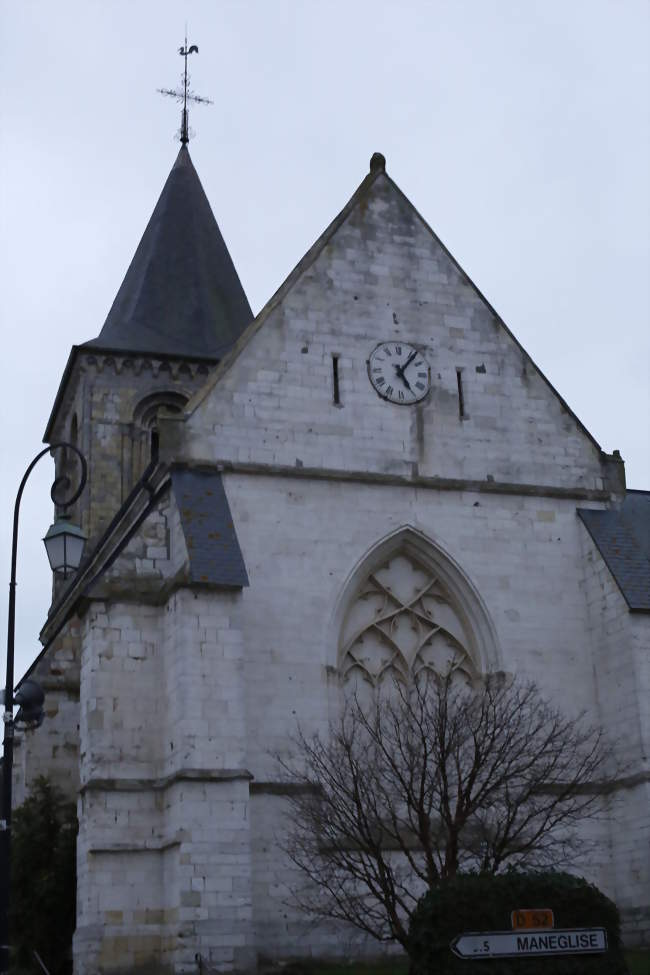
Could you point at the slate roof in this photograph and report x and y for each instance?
(181, 294)
(622, 537)
(212, 544)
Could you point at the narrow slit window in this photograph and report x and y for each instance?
(335, 380)
(461, 397)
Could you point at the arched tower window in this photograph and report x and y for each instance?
(410, 612)
(145, 426)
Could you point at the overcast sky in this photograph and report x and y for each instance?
(520, 130)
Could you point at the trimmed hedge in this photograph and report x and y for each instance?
(484, 902)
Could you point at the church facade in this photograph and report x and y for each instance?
(256, 485)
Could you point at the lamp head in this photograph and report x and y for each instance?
(29, 698)
(64, 544)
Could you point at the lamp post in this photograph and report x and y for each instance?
(64, 546)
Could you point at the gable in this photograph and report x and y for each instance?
(380, 274)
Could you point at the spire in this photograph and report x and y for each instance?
(181, 294)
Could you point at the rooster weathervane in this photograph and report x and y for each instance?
(184, 94)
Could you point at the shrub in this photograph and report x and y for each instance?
(483, 902)
(43, 881)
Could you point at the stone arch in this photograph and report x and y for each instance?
(145, 425)
(145, 414)
(408, 609)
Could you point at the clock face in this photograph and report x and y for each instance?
(399, 372)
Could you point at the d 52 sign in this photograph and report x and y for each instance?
(504, 944)
(541, 917)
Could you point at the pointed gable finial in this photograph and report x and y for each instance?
(377, 163)
(184, 94)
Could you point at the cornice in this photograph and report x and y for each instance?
(408, 479)
(121, 362)
(101, 358)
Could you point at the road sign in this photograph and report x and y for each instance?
(503, 944)
(526, 918)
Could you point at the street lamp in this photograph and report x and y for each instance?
(64, 545)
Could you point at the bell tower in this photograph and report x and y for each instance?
(179, 309)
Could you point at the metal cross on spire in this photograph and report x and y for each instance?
(184, 94)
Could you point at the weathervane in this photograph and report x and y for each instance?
(184, 95)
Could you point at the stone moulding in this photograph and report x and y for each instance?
(176, 367)
(606, 787)
(412, 479)
(97, 784)
(279, 788)
(148, 846)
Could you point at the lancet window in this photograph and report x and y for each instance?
(405, 623)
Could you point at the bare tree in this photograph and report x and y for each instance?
(431, 779)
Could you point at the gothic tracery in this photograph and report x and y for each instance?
(403, 624)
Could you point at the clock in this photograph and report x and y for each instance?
(399, 373)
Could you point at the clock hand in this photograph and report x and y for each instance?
(400, 372)
(410, 359)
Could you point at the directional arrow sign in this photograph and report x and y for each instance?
(501, 944)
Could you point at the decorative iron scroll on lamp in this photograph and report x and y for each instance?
(64, 542)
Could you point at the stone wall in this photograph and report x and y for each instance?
(520, 555)
(164, 794)
(621, 645)
(53, 749)
(119, 867)
(210, 685)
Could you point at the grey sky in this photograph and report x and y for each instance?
(519, 130)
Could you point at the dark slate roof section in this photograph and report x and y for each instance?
(636, 513)
(622, 537)
(215, 556)
(181, 294)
